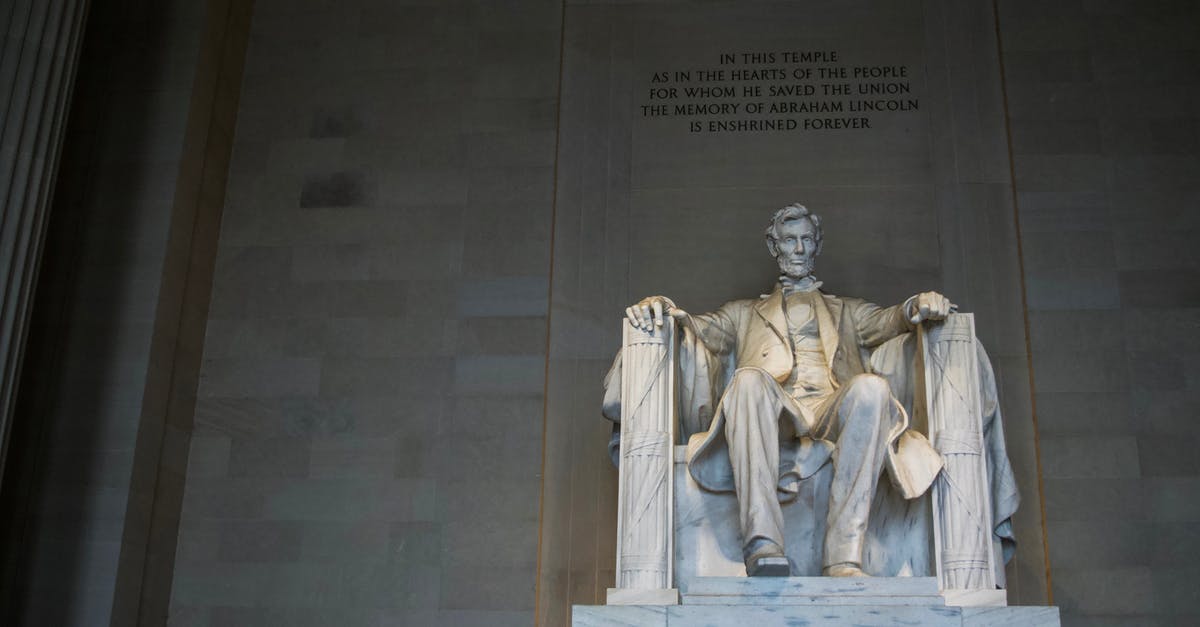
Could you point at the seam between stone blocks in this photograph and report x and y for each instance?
(538, 588)
(1012, 176)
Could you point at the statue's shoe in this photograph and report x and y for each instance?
(846, 569)
(765, 558)
(769, 566)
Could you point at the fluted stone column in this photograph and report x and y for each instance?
(646, 500)
(37, 71)
(962, 507)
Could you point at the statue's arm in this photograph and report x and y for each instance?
(716, 330)
(708, 336)
(928, 306)
(876, 325)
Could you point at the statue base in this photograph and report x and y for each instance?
(769, 601)
(635, 596)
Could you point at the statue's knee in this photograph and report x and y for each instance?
(750, 378)
(743, 398)
(871, 388)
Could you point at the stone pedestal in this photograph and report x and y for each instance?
(770, 601)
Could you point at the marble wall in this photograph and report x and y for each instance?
(367, 442)
(1104, 99)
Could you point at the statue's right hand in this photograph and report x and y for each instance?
(647, 314)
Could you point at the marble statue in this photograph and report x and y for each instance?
(797, 388)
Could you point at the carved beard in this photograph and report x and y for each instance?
(797, 270)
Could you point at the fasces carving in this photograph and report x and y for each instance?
(800, 388)
(962, 509)
(644, 502)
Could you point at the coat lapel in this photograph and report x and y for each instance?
(829, 320)
(771, 310)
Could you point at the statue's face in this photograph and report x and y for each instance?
(796, 248)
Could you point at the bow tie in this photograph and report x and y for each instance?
(806, 284)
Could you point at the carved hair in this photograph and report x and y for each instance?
(794, 211)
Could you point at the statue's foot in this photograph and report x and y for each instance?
(769, 567)
(765, 558)
(845, 569)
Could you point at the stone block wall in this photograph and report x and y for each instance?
(1104, 107)
(367, 442)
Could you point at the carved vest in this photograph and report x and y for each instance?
(811, 380)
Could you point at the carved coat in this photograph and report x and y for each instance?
(754, 333)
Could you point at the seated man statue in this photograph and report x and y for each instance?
(801, 396)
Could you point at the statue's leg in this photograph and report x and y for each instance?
(752, 404)
(859, 422)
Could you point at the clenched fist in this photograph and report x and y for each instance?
(929, 306)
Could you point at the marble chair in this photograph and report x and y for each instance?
(672, 532)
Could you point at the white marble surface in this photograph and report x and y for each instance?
(809, 599)
(734, 615)
(1030, 616)
(831, 601)
(976, 598)
(789, 616)
(617, 615)
(814, 586)
(831, 591)
(864, 616)
(642, 596)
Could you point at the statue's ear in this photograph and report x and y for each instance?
(772, 246)
(820, 244)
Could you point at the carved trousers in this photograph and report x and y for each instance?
(857, 418)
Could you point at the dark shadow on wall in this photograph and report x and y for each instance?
(85, 382)
(74, 326)
(147, 560)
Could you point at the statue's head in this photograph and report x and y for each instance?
(794, 239)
